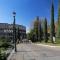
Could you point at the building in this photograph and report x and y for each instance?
(6, 30)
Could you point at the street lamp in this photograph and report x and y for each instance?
(14, 31)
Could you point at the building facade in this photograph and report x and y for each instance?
(6, 30)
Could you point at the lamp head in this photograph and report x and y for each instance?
(14, 13)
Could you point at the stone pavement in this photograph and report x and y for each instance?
(35, 52)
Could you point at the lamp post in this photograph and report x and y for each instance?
(14, 31)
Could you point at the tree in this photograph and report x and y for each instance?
(18, 33)
(58, 31)
(36, 32)
(28, 36)
(45, 30)
(52, 23)
(31, 35)
(38, 29)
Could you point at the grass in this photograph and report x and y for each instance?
(50, 43)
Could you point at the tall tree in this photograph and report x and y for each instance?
(40, 31)
(58, 31)
(45, 31)
(52, 23)
(37, 29)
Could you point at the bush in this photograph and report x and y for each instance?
(2, 55)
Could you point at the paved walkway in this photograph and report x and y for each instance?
(35, 52)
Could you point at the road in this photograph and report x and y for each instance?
(35, 52)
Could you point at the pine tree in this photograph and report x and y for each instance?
(45, 31)
(52, 23)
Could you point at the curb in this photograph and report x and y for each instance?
(9, 57)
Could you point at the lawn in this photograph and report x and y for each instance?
(57, 43)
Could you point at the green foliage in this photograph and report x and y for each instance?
(4, 45)
(58, 31)
(52, 23)
(38, 29)
(18, 33)
(3, 56)
(36, 33)
(32, 36)
(45, 31)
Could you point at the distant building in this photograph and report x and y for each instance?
(6, 30)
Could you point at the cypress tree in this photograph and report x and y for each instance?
(45, 30)
(40, 31)
(58, 31)
(36, 28)
(52, 23)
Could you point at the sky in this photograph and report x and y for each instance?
(26, 11)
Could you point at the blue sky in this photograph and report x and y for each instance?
(26, 10)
